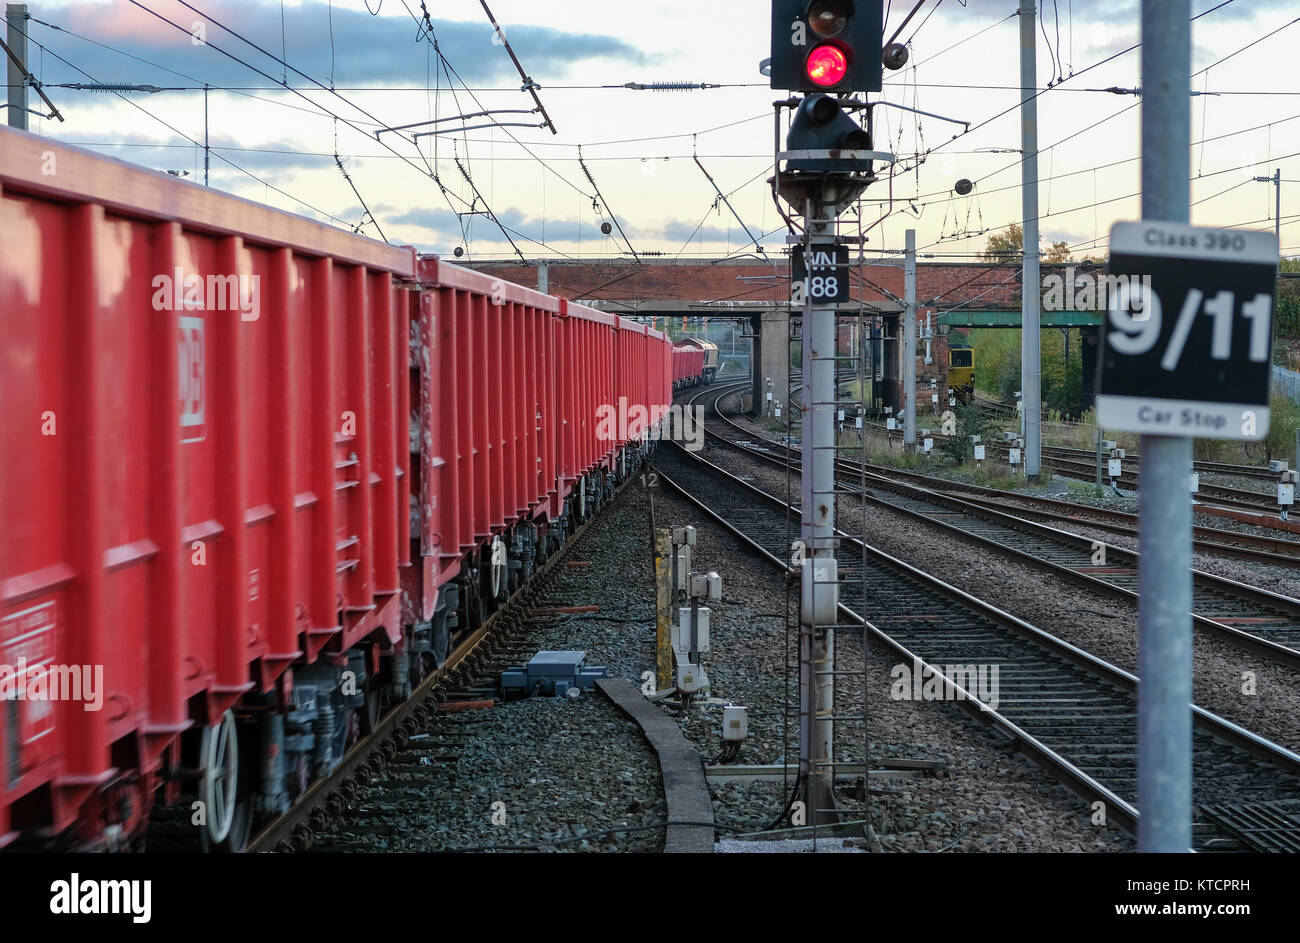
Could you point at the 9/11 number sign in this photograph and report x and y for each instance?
(1188, 332)
(821, 277)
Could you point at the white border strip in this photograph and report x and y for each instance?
(1177, 417)
(1196, 243)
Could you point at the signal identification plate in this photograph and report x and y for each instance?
(822, 278)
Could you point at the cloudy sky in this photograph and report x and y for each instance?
(278, 146)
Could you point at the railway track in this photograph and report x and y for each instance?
(1213, 540)
(1086, 470)
(1081, 464)
(1264, 623)
(1073, 713)
(392, 745)
(1001, 410)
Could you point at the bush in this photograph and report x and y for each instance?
(969, 421)
(1285, 419)
(1286, 310)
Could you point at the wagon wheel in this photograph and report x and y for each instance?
(472, 599)
(543, 545)
(580, 501)
(222, 791)
(498, 570)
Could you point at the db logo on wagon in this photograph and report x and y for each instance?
(190, 379)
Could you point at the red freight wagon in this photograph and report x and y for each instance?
(639, 380)
(688, 367)
(249, 456)
(489, 458)
(660, 358)
(203, 479)
(586, 384)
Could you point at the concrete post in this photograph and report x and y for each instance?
(772, 359)
(16, 21)
(1030, 345)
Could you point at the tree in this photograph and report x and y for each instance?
(1006, 246)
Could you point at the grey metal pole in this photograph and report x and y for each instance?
(16, 27)
(206, 151)
(819, 592)
(1165, 513)
(1031, 398)
(1277, 212)
(909, 343)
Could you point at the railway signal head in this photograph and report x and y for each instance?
(820, 124)
(827, 45)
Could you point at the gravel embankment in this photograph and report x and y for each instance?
(574, 768)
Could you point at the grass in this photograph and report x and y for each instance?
(1084, 488)
(994, 475)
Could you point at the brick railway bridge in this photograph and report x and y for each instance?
(754, 290)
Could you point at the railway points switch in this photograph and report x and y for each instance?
(552, 673)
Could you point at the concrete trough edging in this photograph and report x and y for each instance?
(690, 808)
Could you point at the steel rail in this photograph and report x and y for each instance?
(1039, 743)
(1261, 607)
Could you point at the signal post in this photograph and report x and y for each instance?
(827, 48)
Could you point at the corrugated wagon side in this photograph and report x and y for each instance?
(486, 443)
(206, 479)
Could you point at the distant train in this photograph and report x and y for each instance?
(961, 372)
(710, 350)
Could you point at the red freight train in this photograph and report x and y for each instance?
(261, 477)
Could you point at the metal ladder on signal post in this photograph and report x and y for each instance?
(838, 709)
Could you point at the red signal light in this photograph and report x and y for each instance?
(827, 65)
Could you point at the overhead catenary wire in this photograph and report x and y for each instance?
(529, 85)
(429, 171)
(1130, 107)
(605, 203)
(195, 143)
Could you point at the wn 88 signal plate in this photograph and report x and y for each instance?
(1188, 334)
